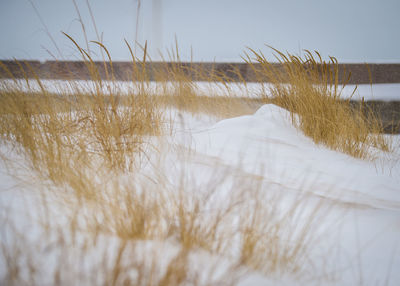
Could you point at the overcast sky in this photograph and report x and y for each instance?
(220, 30)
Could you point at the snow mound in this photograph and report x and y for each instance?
(266, 144)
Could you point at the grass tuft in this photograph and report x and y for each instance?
(309, 88)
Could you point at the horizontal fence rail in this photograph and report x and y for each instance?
(123, 71)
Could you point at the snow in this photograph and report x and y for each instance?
(364, 226)
(266, 144)
(381, 92)
(361, 241)
(289, 155)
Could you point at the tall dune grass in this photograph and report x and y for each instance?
(56, 130)
(153, 232)
(309, 88)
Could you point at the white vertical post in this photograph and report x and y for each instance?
(157, 37)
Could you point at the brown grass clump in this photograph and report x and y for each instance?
(178, 83)
(309, 88)
(154, 233)
(60, 134)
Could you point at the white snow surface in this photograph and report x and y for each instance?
(267, 145)
(381, 92)
(366, 240)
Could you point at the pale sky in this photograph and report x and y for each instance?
(220, 30)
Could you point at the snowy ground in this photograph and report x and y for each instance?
(266, 145)
(383, 92)
(359, 238)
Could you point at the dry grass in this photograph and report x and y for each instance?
(156, 233)
(57, 133)
(309, 88)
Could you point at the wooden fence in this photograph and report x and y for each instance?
(360, 73)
